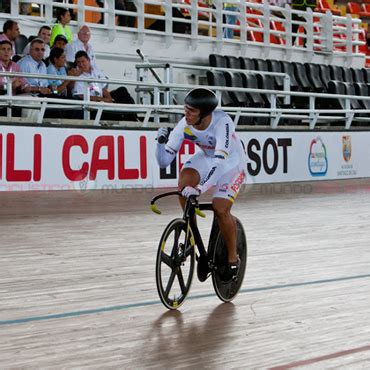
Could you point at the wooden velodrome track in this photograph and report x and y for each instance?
(77, 285)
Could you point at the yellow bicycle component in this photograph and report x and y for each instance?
(199, 213)
(155, 209)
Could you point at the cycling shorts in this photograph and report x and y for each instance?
(229, 183)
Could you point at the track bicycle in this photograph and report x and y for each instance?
(177, 254)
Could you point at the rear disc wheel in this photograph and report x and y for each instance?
(228, 291)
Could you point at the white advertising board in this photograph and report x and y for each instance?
(42, 158)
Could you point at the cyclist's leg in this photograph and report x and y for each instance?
(225, 193)
(194, 169)
(188, 177)
(226, 222)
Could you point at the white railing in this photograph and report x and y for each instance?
(259, 24)
(311, 116)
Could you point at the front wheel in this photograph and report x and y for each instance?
(218, 254)
(175, 263)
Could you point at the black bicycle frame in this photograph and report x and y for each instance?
(189, 216)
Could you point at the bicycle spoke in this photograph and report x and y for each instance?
(167, 260)
(170, 283)
(175, 242)
(181, 281)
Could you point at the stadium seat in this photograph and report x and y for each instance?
(265, 82)
(277, 38)
(366, 10)
(261, 65)
(233, 62)
(356, 9)
(323, 6)
(313, 74)
(301, 77)
(201, 15)
(348, 74)
(275, 66)
(216, 60)
(217, 78)
(337, 87)
(336, 73)
(325, 75)
(235, 79)
(350, 90)
(248, 64)
(256, 99)
(359, 75)
(255, 36)
(367, 75)
(289, 69)
(362, 89)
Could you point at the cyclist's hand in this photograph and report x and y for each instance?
(189, 191)
(162, 135)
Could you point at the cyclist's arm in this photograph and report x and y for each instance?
(165, 153)
(223, 136)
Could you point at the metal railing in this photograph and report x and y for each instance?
(258, 24)
(275, 114)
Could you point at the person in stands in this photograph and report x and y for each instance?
(10, 33)
(62, 26)
(301, 5)
(57, 67)
(33, 63)
(19, 84)
(82, 43)
(60, 42)
(230, 19)
(44, 34)
(98, 90)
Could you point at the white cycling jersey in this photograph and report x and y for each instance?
(221, 150)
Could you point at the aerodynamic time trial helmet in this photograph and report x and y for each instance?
(203, 99)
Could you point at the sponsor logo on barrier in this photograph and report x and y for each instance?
(347, 169)
(266, 155)
(317, 158)
(346, 147)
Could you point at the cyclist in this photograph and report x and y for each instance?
(221, 161)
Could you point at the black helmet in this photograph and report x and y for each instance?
(203, 99)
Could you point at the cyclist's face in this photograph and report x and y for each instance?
(191, 115)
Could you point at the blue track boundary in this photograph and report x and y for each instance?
(151, 303)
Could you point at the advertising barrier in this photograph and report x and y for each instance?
(46, 158)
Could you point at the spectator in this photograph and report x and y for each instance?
(131, 7)
(120, 19)
(19, 84)
(60, 42)
(82, 43)
(98, 90)
(304, 4)
(62, 26)
(301, 5)
(25, 8)
(230, 19)
(10, 33)
(44, 34)
(33, 63)
(57, 67)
